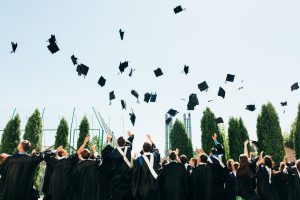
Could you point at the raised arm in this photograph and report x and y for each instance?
(129, 139)
(246, 148)
(82, 147)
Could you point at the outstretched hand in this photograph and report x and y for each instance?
(214, 137)
(246, 142)
(94, 148)
(108, 138)
(129, 133)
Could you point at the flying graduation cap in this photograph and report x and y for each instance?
(221, 93)
(295, 86)
(172, 112)
(147, 97)
(123, 103)
(131, 72)
(186, 69)
(168, 120)
(158, 72)
(219, 120)
(102, 81)
(153, 97)
(230, 78)
(121, 34)
(251, 107)
(14, 47)
(178, 9)
(203, 86)
(193, 102)
(132, 117)
(74, 60)
(111, 96)
(53, 48)
(135, 94)
(82, 70)
(123, 66)
(284, 103)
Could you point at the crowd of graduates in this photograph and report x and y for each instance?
(117, 175)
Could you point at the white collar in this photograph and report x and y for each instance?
(147, 153)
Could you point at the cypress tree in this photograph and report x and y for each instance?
(61, 138)
(11, 136)
(84, 129)
(179, 139)
(269, 133)
(296, 134)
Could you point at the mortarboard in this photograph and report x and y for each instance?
(230, 78)
(251, 107)
(284, 103)
(53, 48)
(123, 66)
(178, 9)
(147, 97)
(158, 72)
(132, 117)
(82, 69)
(14, 47)
(74, 60)
(123, 103)
(295, 86)
(203, 86)
(219, 120)
(193, 101)
(168, 120)
(101, 81)
(221, 92)
(186, 69)
(131, 72)
(121, 34)
(190, 106)
(153, 97)
(135, 94)
(172, 112)
(111, 96)
(255, 143)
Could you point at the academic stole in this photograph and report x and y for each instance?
(150, 163)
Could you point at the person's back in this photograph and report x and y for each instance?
(174, 181)
(296, 181)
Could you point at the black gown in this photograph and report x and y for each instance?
(18, 172)
(144, 185)
(61, 183)
(50, 164)
(174, 182)
(219, 176)
(283, 186)
(121, 173)
(85, 179)
(295, 181)
(202, 183)
(230, 186)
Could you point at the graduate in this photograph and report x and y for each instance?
(121, 168)
(282, 182)
(50, 164)
(145, 184)
(295, 177)
(18, 172)
(202, 180)
(85, 176)
(230, 180)
(61, 187)
(174, 180)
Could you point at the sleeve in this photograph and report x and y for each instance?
(155, 151)
(3, 171)
(37, 158)
(106, 151)
(129, 141)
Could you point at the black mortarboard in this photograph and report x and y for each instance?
(153, 97)
(135, 94)
(147, 97)
(132, 118)
(82, 69)
(172, 112)
(251, 107)
(168, 120)
(123, 66)
(131, 72)
(178, 9)
(221, 92)
(123, 103)
(254, 143)
(14, 47)
(284, 103)
(158, 72)
(53, 48)
(295, 86)
(74, 59)
(219, 120)
(101, 81)
(193, 101)
(230, 78)
(111, 96)
(186, 69)
(121, 34)
(203, 86)
(190, 106)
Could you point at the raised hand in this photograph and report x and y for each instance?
(214, 137)
(129, 133)
(87, 139)
(94, 148)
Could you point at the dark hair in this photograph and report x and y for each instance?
(298, 164)
(121, 141)
(26, 145)
(164, 162)
(229, 163)
(85, 154)
(172, 155)
(281, 166)
(195, 161)
(244, 168)
(268, 161)
(203, 158)
(236, 165)
(183, 159)
(147, 147)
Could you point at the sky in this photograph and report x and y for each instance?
(256, 40)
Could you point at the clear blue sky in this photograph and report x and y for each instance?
(256, 40)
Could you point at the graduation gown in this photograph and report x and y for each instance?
(61, 183)
(230, 186)
(85, 180)
(202, 182)
(283, 186)
(144, 185)
(295, 178)
(105, 173)
(50, 164)
(219, 175)
(121, 172)
(18, 172)
(245, 187)
(174, 182)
